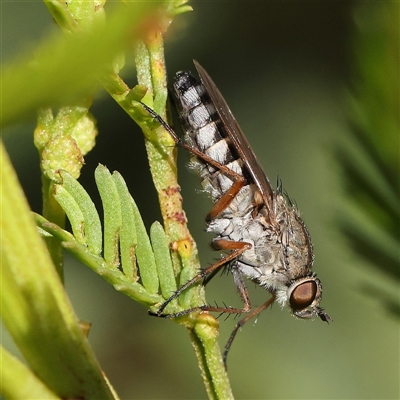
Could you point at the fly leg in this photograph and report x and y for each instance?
(241, 323)
(237, 249)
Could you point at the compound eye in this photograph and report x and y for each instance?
(303, 295)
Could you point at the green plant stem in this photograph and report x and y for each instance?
(204, 330)
(53, 212)
(204, 339)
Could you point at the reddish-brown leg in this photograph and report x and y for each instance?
(237, 249)
(239, 180)
(254, 313)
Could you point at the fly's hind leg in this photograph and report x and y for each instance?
(238, 180)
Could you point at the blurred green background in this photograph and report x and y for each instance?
(285, 69)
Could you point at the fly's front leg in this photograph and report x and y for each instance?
(241, 323)
(237, 249)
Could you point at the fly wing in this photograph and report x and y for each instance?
(237, 137)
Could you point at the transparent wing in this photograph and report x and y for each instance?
(237, 137)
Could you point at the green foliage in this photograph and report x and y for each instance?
(125, 237)
(165, 270)
(68, 67)
(370, 159)
(35, 309)
(65, 73)
(19, 382)
(81, 212)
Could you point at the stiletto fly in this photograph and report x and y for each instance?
(267, 241)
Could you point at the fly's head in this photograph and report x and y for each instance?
(303, 297)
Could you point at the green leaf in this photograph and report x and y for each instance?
(112, 214)
(160, 243)
(127, 237)
(73, 211)
(81, 212)
(145, 255)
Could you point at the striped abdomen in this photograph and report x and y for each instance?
(205, 131)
